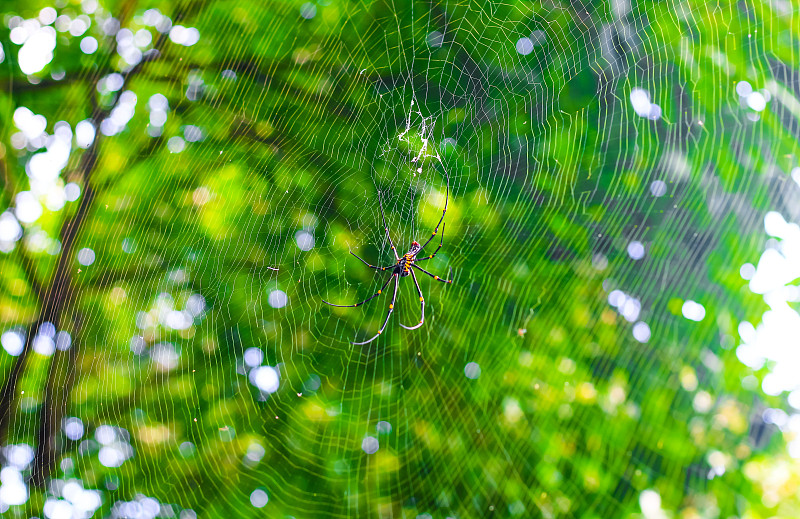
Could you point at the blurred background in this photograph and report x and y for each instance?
(621, 335)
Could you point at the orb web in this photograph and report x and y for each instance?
(607, 169)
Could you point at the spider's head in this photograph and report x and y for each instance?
(414, 248)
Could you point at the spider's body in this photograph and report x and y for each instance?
(404, 267)
(404, 264)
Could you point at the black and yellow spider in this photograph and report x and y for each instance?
(404, 266)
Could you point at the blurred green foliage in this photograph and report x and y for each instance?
(306, 111)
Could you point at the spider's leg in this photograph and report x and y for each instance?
(367, 299)
(441, 242)
(391, 309)
(385, 226)
(446, 199)
(367, 264)
(421, 304)
(437, 278)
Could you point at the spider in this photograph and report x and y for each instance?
(403, 267)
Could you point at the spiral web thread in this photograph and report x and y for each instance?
(306, 115)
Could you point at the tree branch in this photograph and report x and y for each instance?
(56, 295)
(60, 290)
(56, 400)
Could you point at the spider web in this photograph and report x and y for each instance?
(608, 175)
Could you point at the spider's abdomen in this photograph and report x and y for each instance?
(404, 265)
